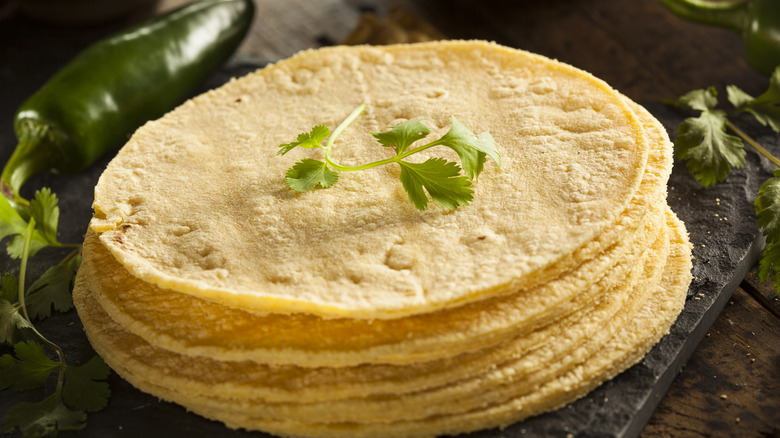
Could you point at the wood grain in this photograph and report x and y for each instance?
(730, 385)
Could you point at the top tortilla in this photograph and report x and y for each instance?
(196, 201)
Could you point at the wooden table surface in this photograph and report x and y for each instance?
(729, 386)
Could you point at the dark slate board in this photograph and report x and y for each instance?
(720, 221)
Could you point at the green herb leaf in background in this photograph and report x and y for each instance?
(710, 152)
(9, 290)
(85, 387)
(11, 222)
(30, 229)
(12, 225)
(702, 142)
(52, 289)
(767, 206)
(11, 321)
(44, 209)
(764, 108)
(29, 370)
(43, 419)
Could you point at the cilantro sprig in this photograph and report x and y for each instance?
(710, 152)
(441, 179)
(30, 227)
(702, 142)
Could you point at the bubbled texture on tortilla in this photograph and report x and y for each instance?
(196, 201)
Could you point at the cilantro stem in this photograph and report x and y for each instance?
(753, 143)
(23, 268)
(23, 305)
(350, 118)
(336, 132)
(73, 254)
(355, 113)
(76, 246)
(362, 166)
(419, 149)
(69, 245)
(378, 163)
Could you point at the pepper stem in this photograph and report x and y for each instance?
(728, 14)
(33, 155)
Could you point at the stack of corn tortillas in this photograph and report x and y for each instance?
(346, 311)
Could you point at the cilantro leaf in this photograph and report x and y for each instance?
(307, 139)
(29, 371)
(403, 135)
(13, 225)
(308, 173)
(769, 265)
(471, 148)
(52, 289)
(46, 213)
(44, 418)
(702, 141)
(698, 100)
(84, 388)
(11, 320)
(764, 108)
(9, 289)
(738, 98)
(767, 205)
(15, 246)
(10, 221)
(708, 150)
(442, 180)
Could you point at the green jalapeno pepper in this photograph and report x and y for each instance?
(758, 21)
(111, 88)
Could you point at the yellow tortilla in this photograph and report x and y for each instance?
(307, 340)
(628, 345)
(291, 383)
(345, 311)
(196, 201)
(194, 326)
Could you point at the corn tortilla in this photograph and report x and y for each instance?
(307, 340)
(523, 372)
(196, 203)
(628, 345)
(193, 326)
(163, 366)
(346, 311)
(299, 384)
